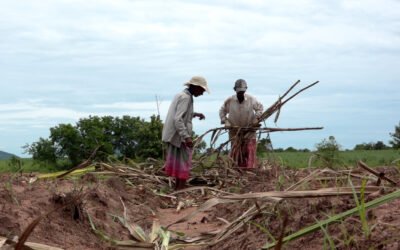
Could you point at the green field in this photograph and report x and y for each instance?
(27, 166)
(372, 158)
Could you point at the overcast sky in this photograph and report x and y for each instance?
(61, 60)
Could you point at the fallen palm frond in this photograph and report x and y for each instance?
(336, 218)
(141, 239)
(136, 231)
(158, 238)
(81, 169)
(122, 244)
(76, 172)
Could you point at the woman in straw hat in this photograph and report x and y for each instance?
(177, 131)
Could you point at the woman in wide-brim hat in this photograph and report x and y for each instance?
(177, 131)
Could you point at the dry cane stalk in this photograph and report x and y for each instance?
(279, 103)
(83, 164)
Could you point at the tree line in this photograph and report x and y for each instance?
(130, 137)
(134, 138)
(265, 144)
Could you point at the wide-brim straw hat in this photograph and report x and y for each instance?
(198, 81)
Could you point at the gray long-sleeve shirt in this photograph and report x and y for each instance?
(178, 124)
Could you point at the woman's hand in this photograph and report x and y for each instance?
(189, 142)
(200, 115)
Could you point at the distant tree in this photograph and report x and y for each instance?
(328, 151)
(15, 163)
(126, 131)
(130, 137)
(264, 146)
(95, 131)
(42, 151)
(362, 146)
(147, 138)
(200, 146)
(396, 137)
(68, 143)
(291, 149)
(379, 145)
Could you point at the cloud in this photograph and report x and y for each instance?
(68, 59)
(27, 115)
(97, 28)
(145, 106)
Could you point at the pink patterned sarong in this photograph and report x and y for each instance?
(245, 156)
(178, 162)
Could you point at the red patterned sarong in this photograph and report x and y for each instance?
(245, 155)
(178, 162)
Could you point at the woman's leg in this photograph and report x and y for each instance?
(180, 184)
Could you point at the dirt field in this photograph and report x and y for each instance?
(101, 200)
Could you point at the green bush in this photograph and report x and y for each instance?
(68, 145)
(328, 152)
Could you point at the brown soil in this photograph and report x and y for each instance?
(102, 200)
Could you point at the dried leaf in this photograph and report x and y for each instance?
(2, 241)
(155, 230)
(32, 180)
(181, 204)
